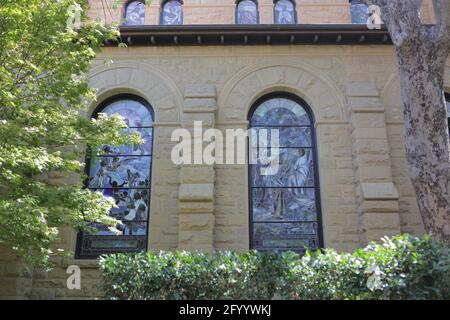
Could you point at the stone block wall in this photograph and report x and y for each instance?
(223, 11)
(15, 283)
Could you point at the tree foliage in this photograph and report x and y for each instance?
(44, 96)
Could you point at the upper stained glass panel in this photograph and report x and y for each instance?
(358, 12)
(284, 12)
(172, 13)
(135, 13)
(247, 12)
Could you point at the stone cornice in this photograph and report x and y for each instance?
(263, 34)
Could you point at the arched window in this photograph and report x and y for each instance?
(358, 12)
(172, 12)
(124, 174)
(134, 13)
(284, 201)
(247, 12)
(284, 12)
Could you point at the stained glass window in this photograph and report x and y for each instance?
(358, 12)
(285, 210)
(123, 174)
(134, 13)
(172, 12)
(247, 12)
(284, 12)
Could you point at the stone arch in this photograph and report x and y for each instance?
(142, 80)
(242, 90)
(327, 102)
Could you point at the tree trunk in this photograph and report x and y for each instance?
(422, 51)
(427, 137)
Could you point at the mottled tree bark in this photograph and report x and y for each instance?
(422, 51)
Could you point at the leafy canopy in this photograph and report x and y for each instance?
(44, 128)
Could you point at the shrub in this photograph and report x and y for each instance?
(183, 275)
(402, 267)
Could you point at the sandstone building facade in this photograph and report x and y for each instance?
(234, 65)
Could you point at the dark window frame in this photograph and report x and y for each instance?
(161, 12)
(317, 188)
(447, 100)
(236, 13)
(79, 241)
(294, 3)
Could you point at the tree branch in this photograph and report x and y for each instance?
(404, 28)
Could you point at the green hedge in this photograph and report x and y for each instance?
(402, 267)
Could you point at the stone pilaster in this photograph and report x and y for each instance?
(377, 197)
(196, 193)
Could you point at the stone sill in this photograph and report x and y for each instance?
(82, 263)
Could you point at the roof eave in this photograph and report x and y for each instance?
(262, 34)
